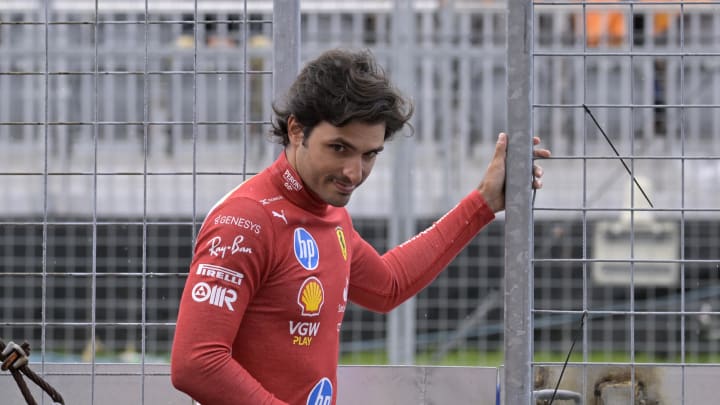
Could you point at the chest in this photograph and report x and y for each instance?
(311, 265)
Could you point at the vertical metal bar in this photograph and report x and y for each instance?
(93, 288)
(716, 88)
(584, 218)
(401, 321)
(518, 207)
(683, 372)
(5, 79)
(143, 288)
(246, 89)
(194, 122)
(286, 45)
(46, 76)
(631, 39)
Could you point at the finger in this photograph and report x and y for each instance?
(501, 146)
(536, 140)
(501, 141)
(537, 171)
(541, 153)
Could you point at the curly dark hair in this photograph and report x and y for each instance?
(338, 87)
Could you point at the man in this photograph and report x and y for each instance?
(277, 258)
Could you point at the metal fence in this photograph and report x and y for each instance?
(636, 297)
(122, 122)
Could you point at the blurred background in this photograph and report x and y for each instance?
(122, 122)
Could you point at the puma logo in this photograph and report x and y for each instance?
(281, 215)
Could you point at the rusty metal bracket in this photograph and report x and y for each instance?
(14, 358)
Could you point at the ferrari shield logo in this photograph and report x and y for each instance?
(341, 240)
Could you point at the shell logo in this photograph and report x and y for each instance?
(311, 297)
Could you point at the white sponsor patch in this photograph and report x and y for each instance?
(214, 295)
(219, 249)
(304, 328)
(280, 215)
(268, 201)
(303, 332)
(221, 273)
(291, 182)
(240, 222)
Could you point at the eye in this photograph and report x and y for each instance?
(372, 154)
(338, 147)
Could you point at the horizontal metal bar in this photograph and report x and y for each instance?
(621, 53)
(53, 123)
(309, 6)
(628, 260)
(624, 3)
(91, 274)
(616, 106)
(138, 73)
(88, 323)
(633, 157)
(150, 173)
(144, 372)
(136, 22)
(164, 50)
(628, 312)
(157, 50)
(98, 222)
(583, 158)
(625, 209)
(614, 363)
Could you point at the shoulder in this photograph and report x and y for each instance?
(244, 206)
(240, 212)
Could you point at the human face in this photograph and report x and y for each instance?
(333, 161)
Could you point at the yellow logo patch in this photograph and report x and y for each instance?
(341, 240)
(311, 297)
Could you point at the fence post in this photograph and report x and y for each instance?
(517, 388)
(286, 44)
(401, 321)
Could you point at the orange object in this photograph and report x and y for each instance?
(606, 23)
(609, 25)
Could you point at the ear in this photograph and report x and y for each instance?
(295, 131)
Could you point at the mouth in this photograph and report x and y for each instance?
(343, 187)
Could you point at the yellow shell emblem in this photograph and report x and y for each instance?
(311, 297)
(341, 240)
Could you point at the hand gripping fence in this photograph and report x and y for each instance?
(14, 358)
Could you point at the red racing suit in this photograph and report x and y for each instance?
(272, 271)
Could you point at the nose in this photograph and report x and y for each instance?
(353, 170)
